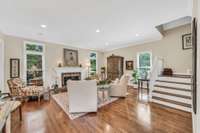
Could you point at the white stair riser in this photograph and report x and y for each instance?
(178, 99)
(172, 105)
(175, 79)
(188, 87)
(173, 91)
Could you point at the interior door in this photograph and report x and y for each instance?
(1, 65)
(194, 74)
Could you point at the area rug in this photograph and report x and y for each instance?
(61, 100)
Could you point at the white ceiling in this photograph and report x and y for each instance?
(74, 22)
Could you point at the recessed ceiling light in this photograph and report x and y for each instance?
(43, 26)
(98, 30)
(107, 43)
(137, 35)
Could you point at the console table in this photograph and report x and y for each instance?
(5, 111)
(141, 83)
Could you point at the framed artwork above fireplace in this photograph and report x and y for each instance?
(70, 57)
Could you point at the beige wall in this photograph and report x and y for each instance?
(169, 48)
(53, 54)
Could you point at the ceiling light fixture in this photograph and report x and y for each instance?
(43, 26)
(107, 43)
(98, 30)
(137, 35)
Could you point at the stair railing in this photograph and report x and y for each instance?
(155, 71)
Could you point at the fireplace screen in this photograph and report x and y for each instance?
(70, 76)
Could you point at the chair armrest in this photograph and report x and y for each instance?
(116, 86)
(6, 96)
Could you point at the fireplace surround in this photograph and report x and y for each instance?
(59, 71)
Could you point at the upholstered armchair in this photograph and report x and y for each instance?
(119, 87)
(82, 96)
(20, 91)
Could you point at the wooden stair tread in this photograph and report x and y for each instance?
(177, 76)
(174, 88)
(172, 101)
(173, 82)
(171, 94)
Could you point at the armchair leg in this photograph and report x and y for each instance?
(20, 112)
(39, 99)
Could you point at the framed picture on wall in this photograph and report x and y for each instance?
(129, 65)
(14, 68)
(187, 41)
(70, 57)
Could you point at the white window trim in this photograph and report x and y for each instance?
(138, 54)
(37, 53)
(96, 60)
(2, 71)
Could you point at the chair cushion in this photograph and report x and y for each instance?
(33, 90)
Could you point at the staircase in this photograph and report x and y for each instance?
(174, 92)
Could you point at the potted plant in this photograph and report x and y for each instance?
(135, 76)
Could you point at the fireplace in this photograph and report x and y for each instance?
(74, 72)
(70, 76)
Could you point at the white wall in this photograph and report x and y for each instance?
(169, 48)
(53, 54)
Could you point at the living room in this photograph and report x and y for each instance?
(92, 71)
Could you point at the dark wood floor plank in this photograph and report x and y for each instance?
(128, 115)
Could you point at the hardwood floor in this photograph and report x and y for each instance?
(128, 115)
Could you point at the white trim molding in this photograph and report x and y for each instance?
(142, 52)
(2, 83)
(37, 53)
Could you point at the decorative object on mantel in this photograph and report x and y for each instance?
(14, 68)
(70, 57)
(59, 64)
(129, 65)
(187, 41)
(167, 72)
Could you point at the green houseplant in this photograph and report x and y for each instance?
(135, 76)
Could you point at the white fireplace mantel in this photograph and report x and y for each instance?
(60, 70)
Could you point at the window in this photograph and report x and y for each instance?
(144, 62)
(34, 63)
(93, 63)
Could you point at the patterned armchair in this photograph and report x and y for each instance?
(19, 90)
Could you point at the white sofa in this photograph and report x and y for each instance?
(119, 88)
(82, 96)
